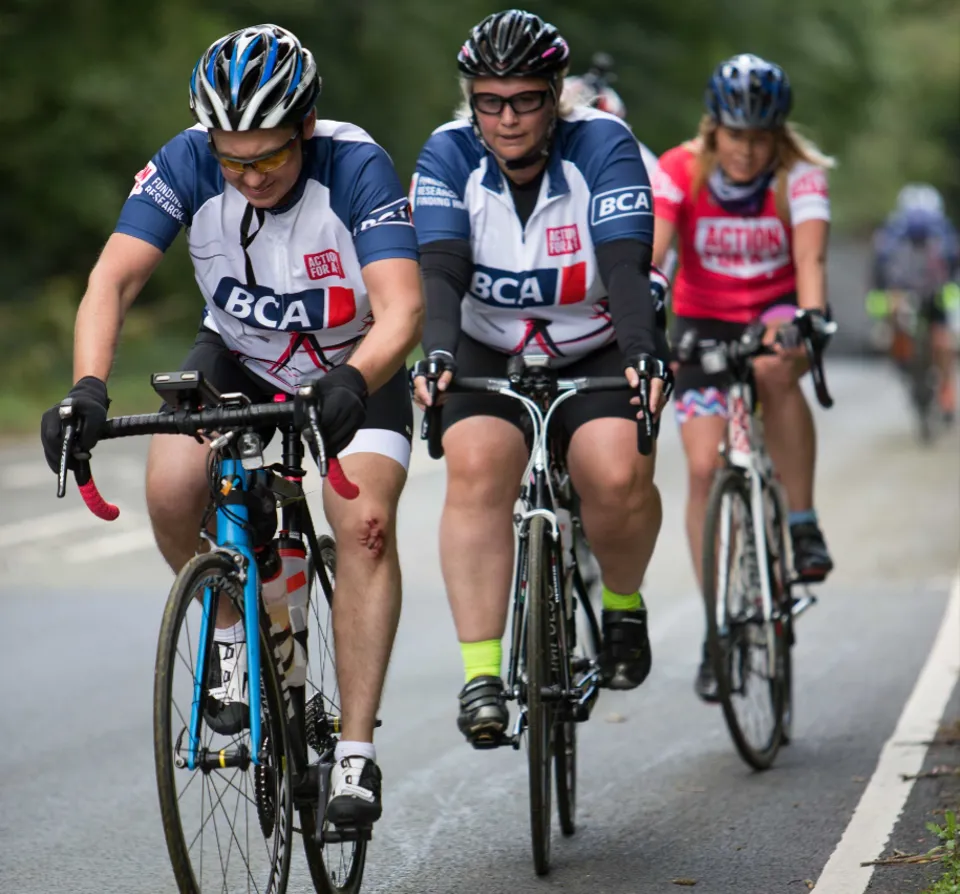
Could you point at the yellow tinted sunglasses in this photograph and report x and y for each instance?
(262, 164)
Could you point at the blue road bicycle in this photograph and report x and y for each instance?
(228, 793)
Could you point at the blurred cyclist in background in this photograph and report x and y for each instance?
(917, 252)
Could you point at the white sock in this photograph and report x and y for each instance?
(354, 749)
(234, 634)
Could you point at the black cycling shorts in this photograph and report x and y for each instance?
(476, 359)
(388, 428)
(691, 377)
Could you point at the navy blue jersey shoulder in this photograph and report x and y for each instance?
(592, 144)
(606, 153)
(450, 155)
(365, 192)
(170, 189)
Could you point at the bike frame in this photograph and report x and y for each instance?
(538, 499)
(233, 538)
(744, 449)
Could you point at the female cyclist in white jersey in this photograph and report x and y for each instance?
(535, 227)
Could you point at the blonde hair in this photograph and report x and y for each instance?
(565, 106)
(791, 147)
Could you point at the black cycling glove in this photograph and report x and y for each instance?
(342, 397)
(90, 404)
(436, 364)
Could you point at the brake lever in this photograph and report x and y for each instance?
(645, 423)
(69, 434)
(816, 370)
(314, 420)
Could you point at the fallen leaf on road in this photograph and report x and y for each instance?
(615, 718)
(858, 779)
(810, 884)
(685, 882)
(935, 773)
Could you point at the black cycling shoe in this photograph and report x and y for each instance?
(811, 558)
(355, 785)
(483, 712)
(705, 684)
(626, 658)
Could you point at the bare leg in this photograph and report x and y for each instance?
(177, 496)
(619, 503)
(701, 438)
(485, 461)
(366, 601)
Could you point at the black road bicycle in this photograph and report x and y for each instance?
(554, 672)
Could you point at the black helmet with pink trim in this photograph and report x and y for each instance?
(514, 44)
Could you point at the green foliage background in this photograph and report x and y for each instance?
(91, 90)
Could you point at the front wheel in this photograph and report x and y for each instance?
(228, 822)
(539, 710)
(749, 677)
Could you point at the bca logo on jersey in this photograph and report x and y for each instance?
(142, 178)
(308, 311)
(534, 288)
(628, 201)
(397, 212)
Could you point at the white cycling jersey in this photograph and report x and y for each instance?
(282, 286)
(536, 288)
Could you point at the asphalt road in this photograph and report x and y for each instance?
(662, 794)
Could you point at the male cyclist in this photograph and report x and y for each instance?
(917, 251)
(535, 224)
(301, 240)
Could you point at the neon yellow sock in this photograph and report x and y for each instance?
(481, 659)
(616, 602)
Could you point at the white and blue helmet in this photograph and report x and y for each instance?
(254, 78)
(920, 197)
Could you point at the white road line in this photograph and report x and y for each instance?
(882, 802)
(45, 527)
(113, 545)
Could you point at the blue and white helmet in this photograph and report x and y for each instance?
(254, 78)
(746, 91)
(920, 197)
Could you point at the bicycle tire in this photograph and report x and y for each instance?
(565, 732)
(216, 565)
(780, 580)
(317, 863)
(539, 711)
(732, 482)
(922, 383)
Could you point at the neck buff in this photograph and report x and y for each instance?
(739, 198)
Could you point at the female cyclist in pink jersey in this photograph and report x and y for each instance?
(747, 202)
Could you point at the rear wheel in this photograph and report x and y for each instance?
(540, 727)
(336, 868)
(740, 642)
(923, 382)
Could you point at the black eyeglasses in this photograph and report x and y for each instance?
(521, 103)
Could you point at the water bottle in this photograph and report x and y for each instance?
(285, 597)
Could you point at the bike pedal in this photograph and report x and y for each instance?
(485, 740)
(344, 834)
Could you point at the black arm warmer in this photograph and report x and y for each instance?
(624, 266)
(446, 266)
